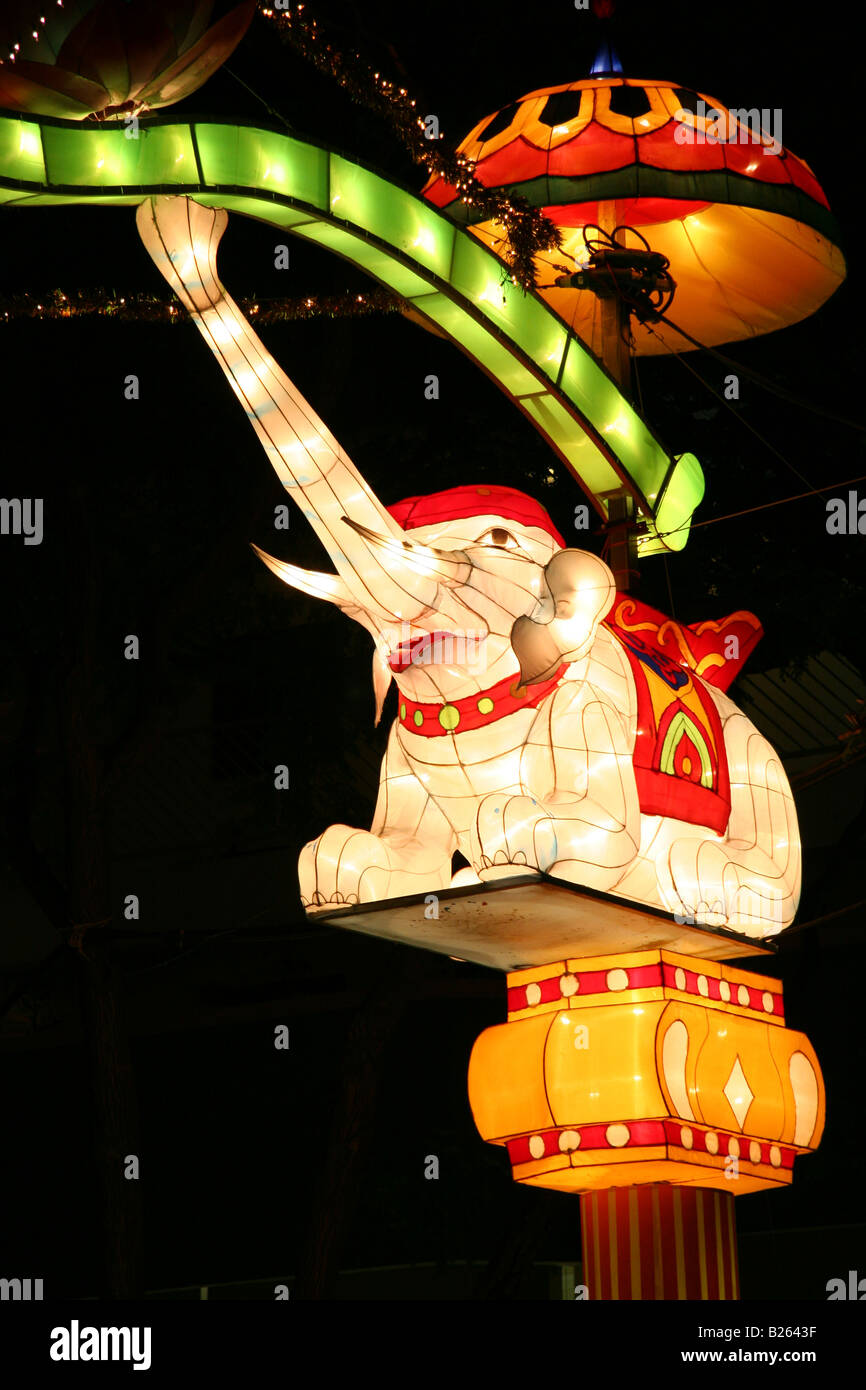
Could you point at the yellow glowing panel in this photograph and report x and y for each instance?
(687, 1088)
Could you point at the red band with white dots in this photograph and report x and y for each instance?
(563, 986)
(642, 1134)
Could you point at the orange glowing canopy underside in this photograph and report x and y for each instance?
(745, 225)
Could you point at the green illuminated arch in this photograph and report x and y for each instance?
(440, 270)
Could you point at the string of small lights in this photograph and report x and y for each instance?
(33, 33)
(149, 308)
(527, 230)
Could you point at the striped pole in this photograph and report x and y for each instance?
(659, 1241)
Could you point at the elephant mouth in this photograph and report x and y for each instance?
(431, 649)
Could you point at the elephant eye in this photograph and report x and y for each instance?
(499, 537)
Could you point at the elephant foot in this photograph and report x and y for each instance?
(344, 866)
(320, 903)
(702, 914)
(500, 867)
(722, 885)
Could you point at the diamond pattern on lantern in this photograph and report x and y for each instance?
(643, 1106)
(737, 1093)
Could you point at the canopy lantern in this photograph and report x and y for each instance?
(744, 223)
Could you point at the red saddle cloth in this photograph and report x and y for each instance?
(680, 762)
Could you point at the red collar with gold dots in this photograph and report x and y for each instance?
(474, 711)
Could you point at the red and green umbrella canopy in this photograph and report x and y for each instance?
(104, 58)
(745, 224)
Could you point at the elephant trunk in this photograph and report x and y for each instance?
(182, 238)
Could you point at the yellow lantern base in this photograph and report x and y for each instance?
(645, 1068)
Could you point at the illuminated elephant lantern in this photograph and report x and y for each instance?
(544, 721)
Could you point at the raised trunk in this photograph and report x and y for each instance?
(182, 238)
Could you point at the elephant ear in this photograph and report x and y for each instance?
(580, 590)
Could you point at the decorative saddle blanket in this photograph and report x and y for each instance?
(680, 763)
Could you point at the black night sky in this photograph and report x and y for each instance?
(156, 777)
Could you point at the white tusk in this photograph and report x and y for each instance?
(326, 586)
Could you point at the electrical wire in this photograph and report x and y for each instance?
(648, 302)
(639, 308)
(760, 380)
(278, 115)
(594, 244)
(761, 507)
(728, 406)
(826, 917)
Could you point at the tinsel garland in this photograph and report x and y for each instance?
(149, 308)
(527, 231)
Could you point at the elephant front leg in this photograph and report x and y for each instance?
(576, 840)
(345, 866)
(586, 828)
(407, 850)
